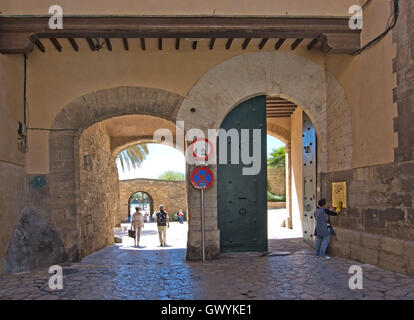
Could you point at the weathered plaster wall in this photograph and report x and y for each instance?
(171, 194)
(12, 195)
(98, 201)
(182, 7)
(56, 79)
(368, 80)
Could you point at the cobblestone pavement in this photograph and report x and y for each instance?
(123, 272)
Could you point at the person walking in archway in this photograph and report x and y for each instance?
(137, 224)
(181, 216)
(163, 222)
(323, 228)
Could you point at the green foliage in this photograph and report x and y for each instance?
(275, 198)
(172, 176)
(277, 158)
(139, 197)
(133, 156)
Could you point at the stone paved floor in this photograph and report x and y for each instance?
(123, 272)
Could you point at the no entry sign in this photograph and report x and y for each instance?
(202, 178)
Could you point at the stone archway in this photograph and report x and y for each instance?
(294, 78)
(150, 200)
(278, 132)
(57, 200)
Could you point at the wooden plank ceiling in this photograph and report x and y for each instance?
(333, 35)
(277, 107)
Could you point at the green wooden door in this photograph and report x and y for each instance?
(242, 199)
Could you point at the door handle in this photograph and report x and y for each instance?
(242, 198)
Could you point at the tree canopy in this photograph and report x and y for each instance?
(277, 158)
(172, 176)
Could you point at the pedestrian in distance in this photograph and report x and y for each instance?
(137, 224)
(163, 222)
(181, 216)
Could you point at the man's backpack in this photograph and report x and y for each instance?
(162, 218)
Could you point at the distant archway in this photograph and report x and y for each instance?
(144, 201)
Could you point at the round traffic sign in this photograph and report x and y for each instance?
(202, 178)
(201, 149)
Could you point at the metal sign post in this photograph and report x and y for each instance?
(203, 227)
(202, 178)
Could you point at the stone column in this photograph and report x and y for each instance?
(289, 223)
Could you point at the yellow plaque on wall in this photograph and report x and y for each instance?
(339, 194)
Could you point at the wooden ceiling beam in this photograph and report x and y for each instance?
(314, 42)
(279, 43)
(279, 116)
(91, 44)
(277, 113)
(262, 43)
(56, 44)
(108, 44)
(296, 43)
(228, 43)
(125, 42)
(40, 45)
(246, 43)
(280, 102)
(74, 44)
(280, 109)
(284, 112)
(211, 44)
(18, 33)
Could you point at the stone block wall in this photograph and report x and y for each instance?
(171, 194)
(276, 178)
(403, 95)
(378, 225)
(98, 200)
(12, 201)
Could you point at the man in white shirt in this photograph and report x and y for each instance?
(137, 224)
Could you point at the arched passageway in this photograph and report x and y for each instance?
(303, 82)
(141, 200)
(78, 207)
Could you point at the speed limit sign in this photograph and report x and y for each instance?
(201, 149)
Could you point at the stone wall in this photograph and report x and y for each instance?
(12, 197)
(171, 194)
(403, 66)
(12, 201)
(276, 178)
(98, 200)
(378, 225)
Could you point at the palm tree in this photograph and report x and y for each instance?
(133, 156)
(277, 158)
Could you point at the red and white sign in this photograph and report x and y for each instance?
(201, 149)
